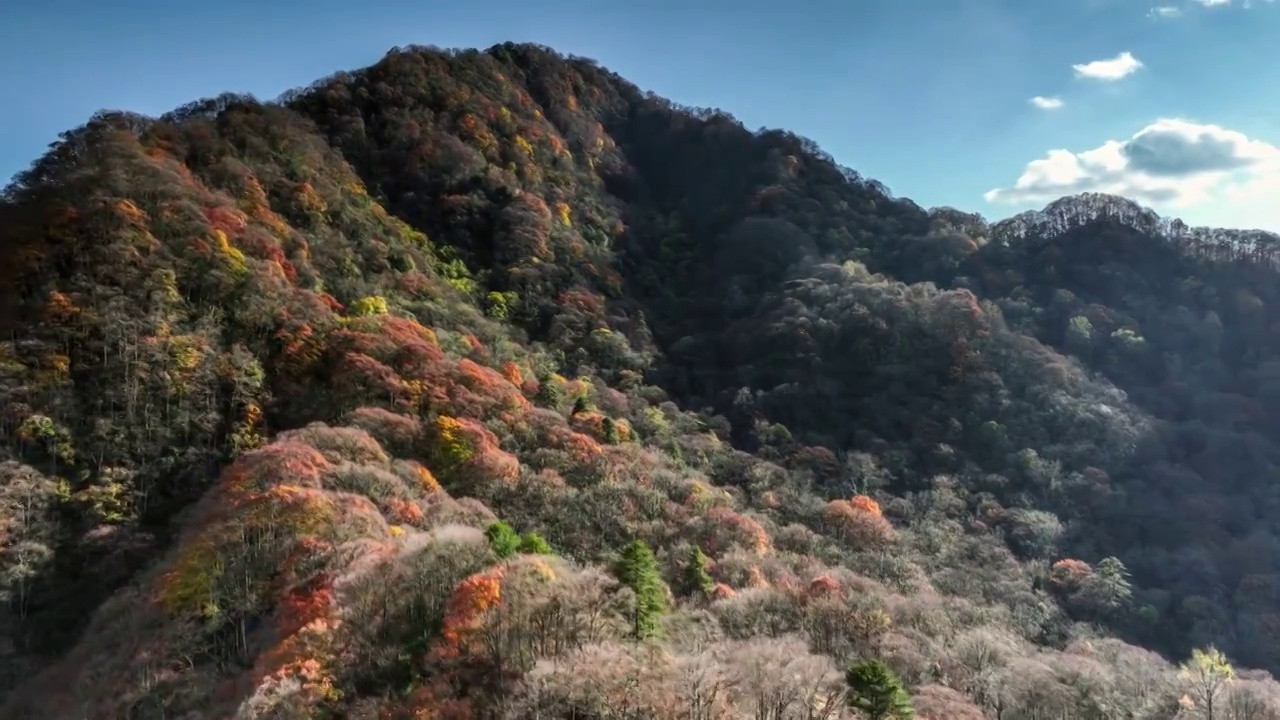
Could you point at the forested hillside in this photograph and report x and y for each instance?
(487, 385)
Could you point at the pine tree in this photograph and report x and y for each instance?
(611, 434)
(503, 539)
(696, 577)
(875, 690)
(1113, 579)
(638, 570)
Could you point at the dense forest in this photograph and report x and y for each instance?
(484, 384)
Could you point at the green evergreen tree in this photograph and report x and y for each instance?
(1113, 579)
(582, 404)
(877, 692)
(696, 577)
(611, 434)
(504, 540)
(550, 393)
(533, 544)
(638, 570)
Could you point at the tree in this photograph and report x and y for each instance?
(937, 702)
(1034, 533)
(875, 690)
(471, 599)
(610, 431)
(638, 570)
(696, 577)
(865, 504)
(503, 539)
(550, 393)
(534, 544)
(1207, 675)
(1079, 337)
(857, 524)
(782, 679)
(26, 533)
(1108, 587)
(1069, 574)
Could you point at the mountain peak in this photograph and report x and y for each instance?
(1073, 212)
(469, 382)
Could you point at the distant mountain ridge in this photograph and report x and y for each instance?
(1075, 211)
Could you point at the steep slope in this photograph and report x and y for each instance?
(275, 371)
(1178, 317)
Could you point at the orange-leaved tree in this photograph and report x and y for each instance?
(464, 613)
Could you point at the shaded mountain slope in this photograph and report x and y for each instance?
(273, 374)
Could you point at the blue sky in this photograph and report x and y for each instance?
(931, 97)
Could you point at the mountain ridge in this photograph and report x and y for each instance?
(331, 342)
(1074, 211)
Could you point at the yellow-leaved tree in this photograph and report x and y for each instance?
(1207, 676)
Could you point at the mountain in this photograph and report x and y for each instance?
(485, 384)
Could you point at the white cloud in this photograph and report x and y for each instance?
(1170, 11)
(1120, 66)
(1217, 175)
(1046, 103)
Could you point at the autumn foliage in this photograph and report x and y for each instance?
(862, 503)
(470, 600)
(482, 392)
(723, 528)
(857, 521)
(427, 390)
(469, 451)
(1069, 573)
(823, 586)
(249, 505)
